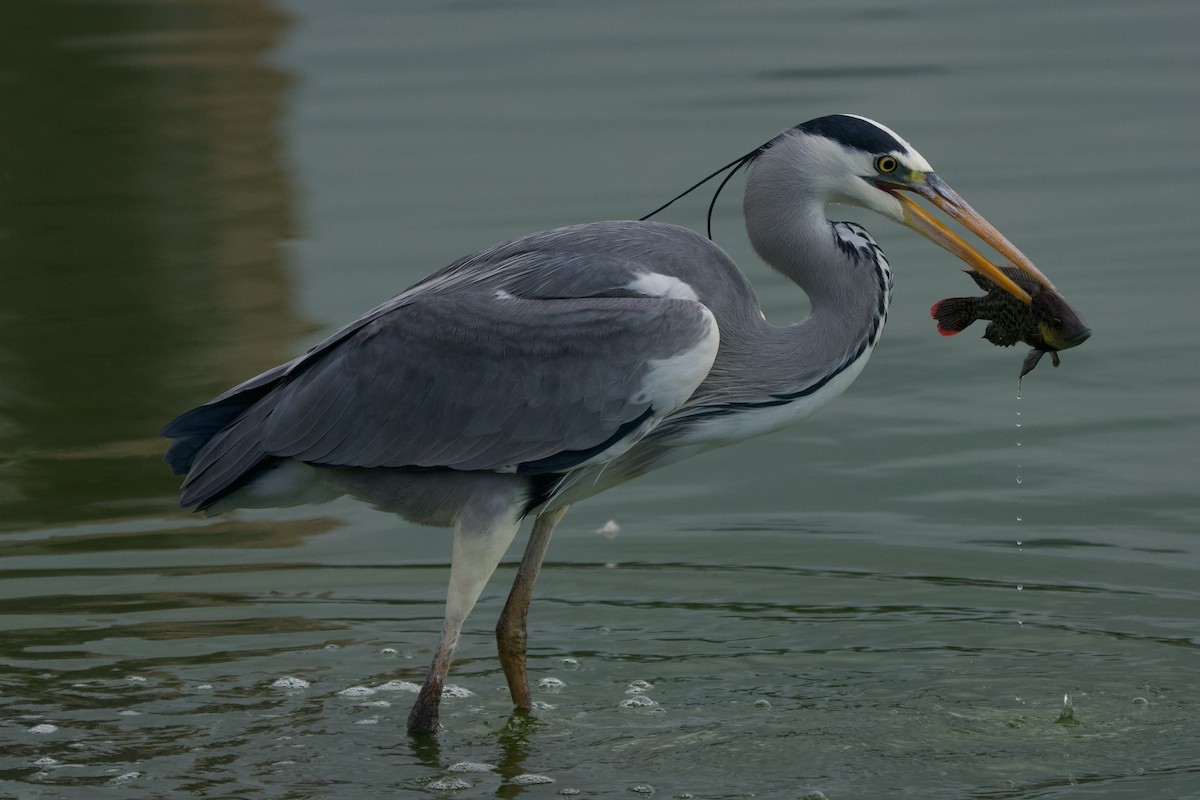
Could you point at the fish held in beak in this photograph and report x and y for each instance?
(1047, 323)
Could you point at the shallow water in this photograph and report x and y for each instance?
(868, 605)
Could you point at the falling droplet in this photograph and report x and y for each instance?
(1067, 715)
(1018, 479)
(1020, 588)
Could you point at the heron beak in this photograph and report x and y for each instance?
(938, 192)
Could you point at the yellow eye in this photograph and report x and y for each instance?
(886, 164)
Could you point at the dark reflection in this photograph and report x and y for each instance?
(143, 197)
(515, 747)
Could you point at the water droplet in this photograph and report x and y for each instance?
(529, 779)
(1018, 479)
(399, 686)
(1020, 588)
(638, 701)
(448, 784)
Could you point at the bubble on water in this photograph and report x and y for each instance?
(568, 663)
(542, 705)
(642, 788)
(357, 691)
(609, 530)
(128, 776)
(332, 646)
(448, 784)
(762, 703)
(531, 779)
(639, 687)
(813, 794)
(389, 651)
(136, 679)
(203, 687)
(367, 721)
(451, 690)
(1141, 701)
(129, 712)
(399, 686)
(638, 701)
(471, 766)
(376, 704)
(43, 727)
(290, 682)
(551, 684)
(569, 792)
(45, 761)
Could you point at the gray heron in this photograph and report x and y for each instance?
(544, 370)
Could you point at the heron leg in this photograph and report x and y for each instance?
(511, 637)
(482, 533)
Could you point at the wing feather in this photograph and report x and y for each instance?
(480, 382)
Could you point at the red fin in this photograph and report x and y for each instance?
(952, 314)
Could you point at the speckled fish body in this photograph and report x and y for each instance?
(1047, 324)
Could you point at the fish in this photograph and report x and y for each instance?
(1048, 324)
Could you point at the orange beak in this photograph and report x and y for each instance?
(938, 192)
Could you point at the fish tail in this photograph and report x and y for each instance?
(953, 314)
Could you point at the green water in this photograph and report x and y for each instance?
(868, 605)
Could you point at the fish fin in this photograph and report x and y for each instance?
(953, 314)
(1031, 361)
(981, 280)
(1054, 358)
(1015, 275)
(998, 336)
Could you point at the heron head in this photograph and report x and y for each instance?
(855, 160)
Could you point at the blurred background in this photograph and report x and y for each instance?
(891, 599)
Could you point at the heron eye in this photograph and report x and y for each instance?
(886, 164)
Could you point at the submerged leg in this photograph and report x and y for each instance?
(482, 533)
(511, 639)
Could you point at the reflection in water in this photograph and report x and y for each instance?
(142, 202)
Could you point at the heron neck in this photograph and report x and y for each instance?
(846, 280)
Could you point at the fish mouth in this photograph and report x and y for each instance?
(939, 193)
(1064, 340)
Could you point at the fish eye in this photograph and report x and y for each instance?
(1057, 323)
(886, 164)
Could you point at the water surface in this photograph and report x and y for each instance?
(868, 605)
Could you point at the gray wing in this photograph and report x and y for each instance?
(476, 381)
